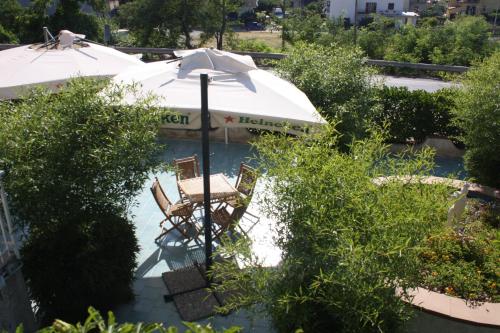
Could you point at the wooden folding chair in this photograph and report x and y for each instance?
(224, 221)
(177, 214)
(186, 168)
(245, 184)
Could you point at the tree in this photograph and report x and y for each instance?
(189, 18)
(69, 16)
(74, 161)
(10, 12)
(7, 36)
(214, 23)
(26, 22)
(152, 22)
(346, 243)
(478, 115)
(161, 23)
(374, 37)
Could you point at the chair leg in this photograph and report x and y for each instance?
(164, 231)
(253, 215)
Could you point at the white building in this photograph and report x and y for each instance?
(399, 9)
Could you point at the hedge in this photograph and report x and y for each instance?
(413, 115)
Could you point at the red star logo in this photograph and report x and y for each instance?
(228, 119)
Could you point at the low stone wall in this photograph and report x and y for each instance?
(429, 322)
(456, 309)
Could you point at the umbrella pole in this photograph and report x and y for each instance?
(226, 136)
(205, 124)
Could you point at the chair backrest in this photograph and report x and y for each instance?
(160, 197)
(187, 167)
(246, 180)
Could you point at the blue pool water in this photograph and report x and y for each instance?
(450, 167)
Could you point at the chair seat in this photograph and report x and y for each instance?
(181, 209)
(222, 217)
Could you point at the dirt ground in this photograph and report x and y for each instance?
(273, 39)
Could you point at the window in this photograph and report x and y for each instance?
(371, 7)
(390, 6)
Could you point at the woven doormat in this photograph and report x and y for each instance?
(192, 300)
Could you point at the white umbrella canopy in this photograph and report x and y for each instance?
(24, 67)
(239, 94)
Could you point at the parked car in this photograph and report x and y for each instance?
(278, 12)
(252, 25)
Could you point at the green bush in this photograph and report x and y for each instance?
(458, 42)
(477, 114)
(415, 114)
(346, 242)
(74, 162)
(80, 261)
(335, 80)
(96, 323)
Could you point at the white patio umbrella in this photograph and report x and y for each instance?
(240, 95)
(53, 64)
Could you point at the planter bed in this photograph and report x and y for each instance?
(465, 246)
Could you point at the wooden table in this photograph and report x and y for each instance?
(220, 189)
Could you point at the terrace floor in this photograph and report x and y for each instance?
(153, 260)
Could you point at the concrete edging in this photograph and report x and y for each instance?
(444, 147)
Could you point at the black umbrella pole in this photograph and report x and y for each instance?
(205, 124)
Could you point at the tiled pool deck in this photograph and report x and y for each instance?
(153, 260)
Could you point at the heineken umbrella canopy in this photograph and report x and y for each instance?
(240, 95)
(53, 63)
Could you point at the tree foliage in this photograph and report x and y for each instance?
(458, 42)
(477, 113)
(161, 23)
(215, 17)
(26, 23)
(74, 163)
(346, 243)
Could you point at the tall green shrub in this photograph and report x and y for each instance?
(478, 115)
(346, 243)
(74, 161)
(335, 80)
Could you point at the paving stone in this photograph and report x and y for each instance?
(143, 305)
